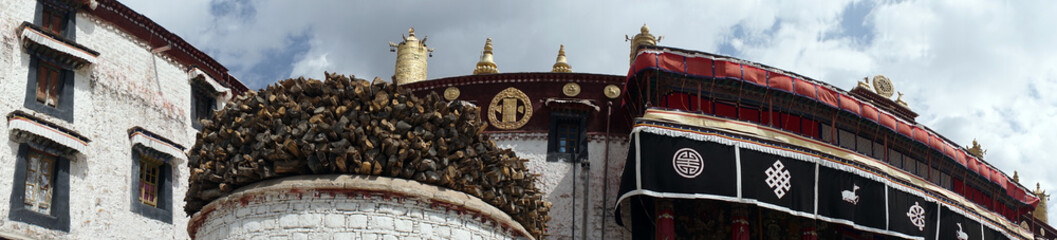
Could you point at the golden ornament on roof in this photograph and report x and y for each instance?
(451, 93)
(612, 91)
(561, 64)
(510, 109)
(487, 63)
(883, 86)
(571, 89)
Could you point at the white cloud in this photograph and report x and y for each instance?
(312, 66)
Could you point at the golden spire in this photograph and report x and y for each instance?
(1040, 210)
(1016, 176)
(976, 150)
(561, 65)
(644, 38)
(411, 57)
(487, 64)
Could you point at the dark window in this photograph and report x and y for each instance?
(568, 137)
(53, 20)
(40, 195)
(40, 170)
(49, 88)
(56, 17)
(152, 185)
(49, 84)
(202, 102)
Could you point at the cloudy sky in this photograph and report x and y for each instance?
(972, 69)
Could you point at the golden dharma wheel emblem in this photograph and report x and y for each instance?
(883, 86)
(510, 109)
(451, 93)
(571, 89)
(612, 91)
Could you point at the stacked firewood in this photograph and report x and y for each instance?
(343, 125)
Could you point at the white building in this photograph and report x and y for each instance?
(99, 103)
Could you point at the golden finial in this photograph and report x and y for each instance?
(487, 64)
(411, 57)
(561, 65)
(976, 150)
(644, 38)
(899, 100)
(865, 83)
(1040, 209)
(1016, 176)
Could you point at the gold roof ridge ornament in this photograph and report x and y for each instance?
(644, 38)
(411, 55)
(561, 64)
(1041, 208)
(487, 63)
(976, 149)
(865, 83)
(883, 86)
(899, 100)
(510, 109)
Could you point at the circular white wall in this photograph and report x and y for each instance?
(351, 207)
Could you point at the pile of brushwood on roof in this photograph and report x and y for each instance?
(343, 125)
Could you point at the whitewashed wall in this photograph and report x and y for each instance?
(351, 207)
(557, 183)
(127, 87)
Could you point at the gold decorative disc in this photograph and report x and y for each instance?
(451, 93)
(571, 89)
(883, 86)
(510, 109)
(612, 91)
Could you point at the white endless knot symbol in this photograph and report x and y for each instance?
(778, 179)
(917, 216)
(687, 163)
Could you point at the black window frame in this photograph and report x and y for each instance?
(573, 118)
(69, 15)
(65, 106)
(201, 94)
(162, 211)
(59, 218)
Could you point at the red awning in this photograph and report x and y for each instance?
(959, 156)
(645, 60)
(888, 120)
(671, 62)
(754, 75)
(805, 88)
(850, 104)
(827, 96)
(727, 69)
(869, 112)
(780, 82)
(699, 66)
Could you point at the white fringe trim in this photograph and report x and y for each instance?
(26, 125)
(142, 139)
(195, 72)
(39, 38)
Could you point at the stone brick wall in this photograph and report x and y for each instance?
(350, 207)
(557, 181)
(127, 87)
